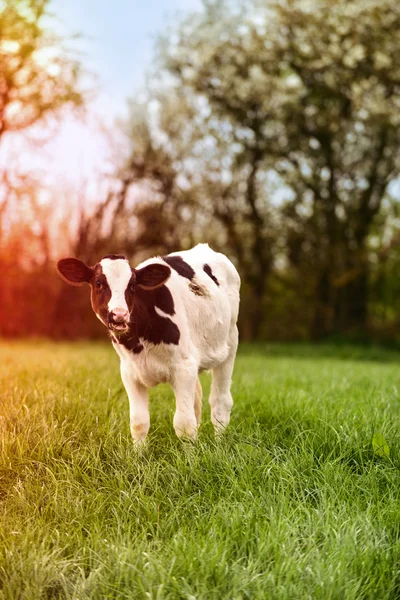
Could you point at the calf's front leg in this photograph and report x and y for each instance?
(138, 405)
(184, 386)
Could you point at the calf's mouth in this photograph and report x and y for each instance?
(119, 327)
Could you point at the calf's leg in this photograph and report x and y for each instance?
(197, 401)
(138, 405)
(220, 397)
(184, 385)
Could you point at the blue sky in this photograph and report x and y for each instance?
(119, 38)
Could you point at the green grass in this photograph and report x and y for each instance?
(293, 502)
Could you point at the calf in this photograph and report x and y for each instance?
(169, 318)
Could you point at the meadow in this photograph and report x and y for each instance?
(299, 499)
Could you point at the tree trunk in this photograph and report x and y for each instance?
(253, 315)
(351, 306)
(322, 325)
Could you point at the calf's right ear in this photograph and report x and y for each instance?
(74, 271)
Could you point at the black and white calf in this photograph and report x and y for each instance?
(169, 318)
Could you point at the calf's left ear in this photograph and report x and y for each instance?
(152, 276)
(74, 271)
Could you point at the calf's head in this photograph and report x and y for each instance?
(113, 284)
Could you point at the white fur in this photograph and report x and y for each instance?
(208, 340)
(118, 274)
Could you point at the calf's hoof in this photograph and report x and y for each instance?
(139, 432)
(186, 430)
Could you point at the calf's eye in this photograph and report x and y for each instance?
(98, 285)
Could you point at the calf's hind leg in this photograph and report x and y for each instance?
(197, 401)
(220, 397)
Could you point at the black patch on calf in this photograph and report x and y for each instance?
(147, 324)
(130, 342)
(130, 290)
(163, 300)
(138, 348)
(114, 256)
(207, 269)
(180, 266)
(101, 293)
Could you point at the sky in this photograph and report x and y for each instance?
(119, 38)
(117, 45)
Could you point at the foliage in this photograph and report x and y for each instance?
(37, 74)
(269, 130)
(292, 502)
(287, 115)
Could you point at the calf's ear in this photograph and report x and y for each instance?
(152, 276)
(74, 271)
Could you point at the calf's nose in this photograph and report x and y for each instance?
(119, 315)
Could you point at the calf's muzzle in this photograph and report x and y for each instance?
(118, 318)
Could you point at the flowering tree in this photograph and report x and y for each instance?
(310, 91)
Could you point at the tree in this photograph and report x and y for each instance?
(194, 183)
(311, 93)
(38, 75)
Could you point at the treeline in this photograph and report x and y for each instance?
(270, 131)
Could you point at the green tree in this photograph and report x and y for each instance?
(193, 183)
(310, 91)
(38, 75)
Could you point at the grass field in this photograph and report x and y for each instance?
(295, 501)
